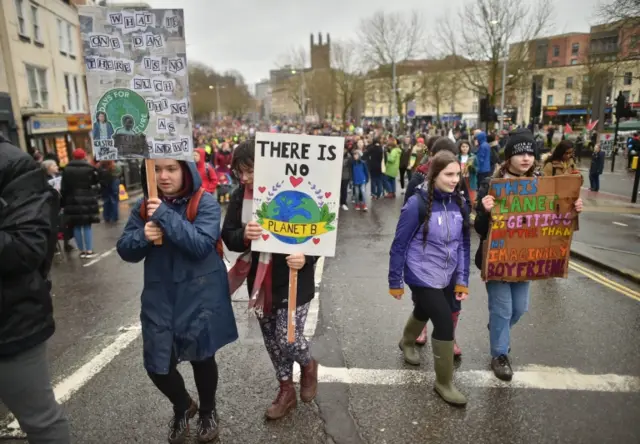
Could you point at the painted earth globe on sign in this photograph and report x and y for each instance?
(294, 207)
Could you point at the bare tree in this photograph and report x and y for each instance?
(206, 86)
(296, 80)
(481, 33)
(435, 90)
(347, 75)
(627, 11)
(386, 39)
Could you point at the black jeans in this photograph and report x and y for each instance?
(432, 304)
(172, 385)
(402, 173)
(344, 190)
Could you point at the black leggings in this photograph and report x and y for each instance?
(432, 304)
(172, 385)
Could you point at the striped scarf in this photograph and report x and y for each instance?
(260, 298)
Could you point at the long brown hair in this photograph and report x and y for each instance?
(439, 162)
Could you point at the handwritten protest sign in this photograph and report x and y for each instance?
(137, 82)
(532, 226)
(297, 193)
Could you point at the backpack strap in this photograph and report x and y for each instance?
(422, 207)
(194, 202)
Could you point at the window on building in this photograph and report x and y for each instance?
(634, 41)
(584, 99)
(551, 83)
(628, 78)
(36, 24)
(78, 94)
(556, 51)
(474, 107)
(22, 24)
(575, 49)
(62, 37)
(381, 111)
(38, 91)
(568, 99)
(574, 61)
(569, 82)
(550, 100)
(67, 90)
(70, 45)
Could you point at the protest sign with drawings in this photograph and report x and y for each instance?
(297, 193)
(137, 82)
(532, 225)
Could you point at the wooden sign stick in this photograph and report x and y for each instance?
(293, 302)
(152, 185)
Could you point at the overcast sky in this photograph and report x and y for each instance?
(253, 35)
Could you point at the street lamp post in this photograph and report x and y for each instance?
(217, 88)
(394, 105)
(303, 100)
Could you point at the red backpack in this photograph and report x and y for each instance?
(192, 212)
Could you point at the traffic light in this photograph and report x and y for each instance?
(621, 106)
(484, 109)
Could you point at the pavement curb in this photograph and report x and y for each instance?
(627, 274)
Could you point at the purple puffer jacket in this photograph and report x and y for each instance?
(447, 251)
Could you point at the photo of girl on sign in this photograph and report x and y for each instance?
(102, 128)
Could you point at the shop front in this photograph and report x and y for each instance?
(47, 133)
(79, 127)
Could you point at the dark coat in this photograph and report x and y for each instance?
(597, 163)
(186, 305)
(29, 209)
(374, 156)
(79, 193)
(233, 237)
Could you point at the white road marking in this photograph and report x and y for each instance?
(314, 307)
(621, 224)
(527, 377)
(99, 258)
(71, 384)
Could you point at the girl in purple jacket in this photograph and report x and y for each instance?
(426, 254)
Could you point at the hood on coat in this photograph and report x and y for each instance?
(13, 163)
(187, 167)
(481, 137)
(202, 160)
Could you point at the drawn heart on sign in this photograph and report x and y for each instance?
(608, 136)
(262, 189)
(295, 181)
(265, 236)
(316, 240)
(327, 195)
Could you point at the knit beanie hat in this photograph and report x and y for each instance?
(520, 141)
(79, 154)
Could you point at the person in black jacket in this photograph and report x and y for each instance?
(596, 168)
(80, 201)
(28, 214)
(267, 277)
(374, 156)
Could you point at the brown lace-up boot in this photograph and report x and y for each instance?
(284, 402)
(309, 381)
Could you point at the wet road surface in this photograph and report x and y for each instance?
(576, 357)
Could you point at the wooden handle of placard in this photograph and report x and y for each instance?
(152, 185)
(293, 302)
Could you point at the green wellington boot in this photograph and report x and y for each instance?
(408, 342)
(443, 364)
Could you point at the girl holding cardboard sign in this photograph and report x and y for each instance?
(267, 276)
(508, 301)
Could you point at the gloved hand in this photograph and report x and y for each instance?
(396, 292)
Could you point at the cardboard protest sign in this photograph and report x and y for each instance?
(137, 82)
(297, 193)
(531, 229)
